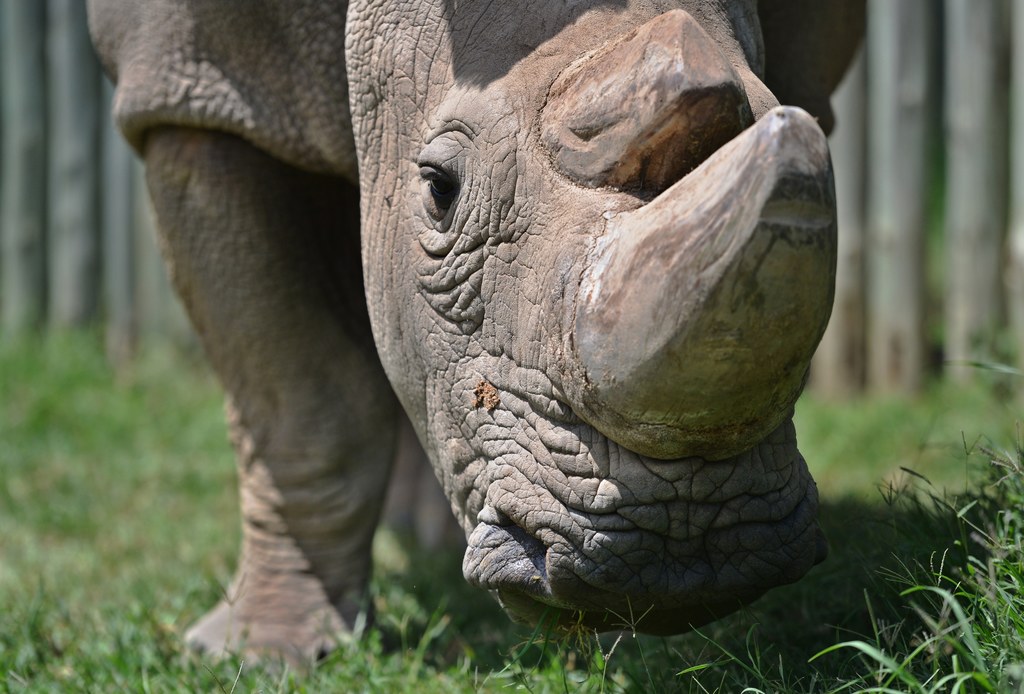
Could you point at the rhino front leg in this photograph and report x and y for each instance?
(266, 259)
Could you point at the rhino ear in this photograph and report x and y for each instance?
(808, 46)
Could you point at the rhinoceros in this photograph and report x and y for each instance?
(578, 245)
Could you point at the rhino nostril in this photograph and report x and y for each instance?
(492, 516)
(586, 133)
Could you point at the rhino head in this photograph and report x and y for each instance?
(598, 258)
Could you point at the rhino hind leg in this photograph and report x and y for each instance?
(416, 507)
(266, 260)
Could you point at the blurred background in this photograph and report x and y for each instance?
(929, 157)
(117, 502)
(77, 248)
(928, 150)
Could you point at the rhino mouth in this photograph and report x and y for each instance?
(616, 567)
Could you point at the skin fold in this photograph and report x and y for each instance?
(373, 214)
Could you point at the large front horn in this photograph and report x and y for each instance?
(699, 312)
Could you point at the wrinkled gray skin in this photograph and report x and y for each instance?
(601, 366)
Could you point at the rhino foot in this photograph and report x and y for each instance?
(293, 620)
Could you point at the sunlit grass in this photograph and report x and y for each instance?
(118, 525)
(854, 447)
(967, 603)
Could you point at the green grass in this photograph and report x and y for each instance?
(118, 524)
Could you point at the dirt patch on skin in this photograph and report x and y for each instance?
(486, 395)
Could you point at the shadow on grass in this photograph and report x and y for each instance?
(854, 594)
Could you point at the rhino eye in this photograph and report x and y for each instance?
(441, 191)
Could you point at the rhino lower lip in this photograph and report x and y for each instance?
(511, 562)
(507, 555)
(534, 581)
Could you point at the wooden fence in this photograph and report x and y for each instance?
(929, 159)
(77, 246)
(931, 258)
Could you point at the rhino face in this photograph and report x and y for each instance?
(597, 263)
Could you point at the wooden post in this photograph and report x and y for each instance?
(898, 118)
(975, 182)
(23, 198)
(118, 212)
(838, 369)
(1015, 269)
(73, 241)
